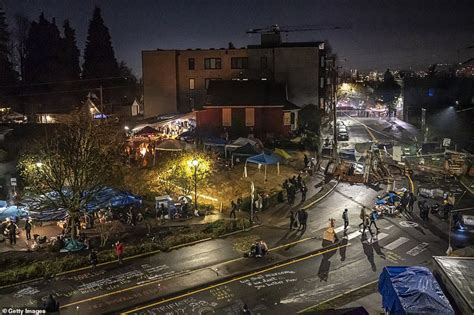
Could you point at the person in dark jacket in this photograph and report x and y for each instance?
(51, 305)
(28, 230)
(292, 219)
(345, 218)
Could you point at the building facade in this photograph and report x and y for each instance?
(177, 80)
(247, 108)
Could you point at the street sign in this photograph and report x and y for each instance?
(13, 181)
(446, 142)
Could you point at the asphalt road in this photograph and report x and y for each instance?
(303, 283)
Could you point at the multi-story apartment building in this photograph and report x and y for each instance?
(177, 80)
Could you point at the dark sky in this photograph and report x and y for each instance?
(385, 34)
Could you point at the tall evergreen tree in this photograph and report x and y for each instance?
(8, 75)
(99, 56)
(43, 51)
(389, 90)
(70, 54)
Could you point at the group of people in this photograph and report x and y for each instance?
(368, 219)
(294, 185)
(258, 249)
(298, 219)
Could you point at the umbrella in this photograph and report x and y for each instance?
(170, 145)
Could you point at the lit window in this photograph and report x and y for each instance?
(191, 84)
(286, 118)
(264, 79)
(250, 117)
(212, 63)
(227, 117)
(239, 63)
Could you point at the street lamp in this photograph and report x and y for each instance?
(195, 164)
(39, 164)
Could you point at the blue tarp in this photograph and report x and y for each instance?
(265, 159)
(107, 197)
(412, 290)
(12, 211)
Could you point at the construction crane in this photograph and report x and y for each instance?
(275, 29)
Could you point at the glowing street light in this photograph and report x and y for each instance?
(39, 164)
(126, 128)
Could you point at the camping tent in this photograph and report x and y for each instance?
(12, 212)
(245, 150)
(282, 153)
(241, 142)
(147, 130)
(412, 290)
(170, 145)
(263, 159)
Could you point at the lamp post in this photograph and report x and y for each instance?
(195, 164)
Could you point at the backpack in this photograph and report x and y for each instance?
(373, 216)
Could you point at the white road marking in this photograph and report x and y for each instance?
(417, 249)
(388, 227)
(400, 241)
(379, 237)
(340, 229)
(354, 235)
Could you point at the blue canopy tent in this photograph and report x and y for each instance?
(412, 290)
(12, 212)
(263, 159)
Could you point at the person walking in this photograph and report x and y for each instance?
(345, 218)
(362, 217)
(304, 219)
(12, 227)
(239, 204)
(373, 218)
(119, 251)
(233, 208)
(93, 259)
(306, 161)
(292, 219)
(411, 201)
(28, 229)
(367, 226)
(304, 190)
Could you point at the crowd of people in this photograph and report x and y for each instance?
(292, 186)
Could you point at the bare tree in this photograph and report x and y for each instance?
(69, 169)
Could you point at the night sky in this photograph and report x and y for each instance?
(385, 34)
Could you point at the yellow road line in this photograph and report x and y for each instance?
(336, 297)
(233, 280)
(178, 275)
(320, 198)
(411, 183)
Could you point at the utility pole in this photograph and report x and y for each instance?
(333, 76)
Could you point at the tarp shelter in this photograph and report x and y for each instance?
(263, 159)
(216, 143)
(282, 153)
(239, 142)
(107, 197)
(170, 145)
(412, 290)
(245, 150)
(147, 130)
(12, 212)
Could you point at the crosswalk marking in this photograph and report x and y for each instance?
(417, 249)
(354, 235)
(388, 227)
(340, 229)
(400, 241)
(379, 237)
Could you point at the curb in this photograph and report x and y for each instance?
(321, 198)
(132, 257)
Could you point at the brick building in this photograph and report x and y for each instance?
(177, 80)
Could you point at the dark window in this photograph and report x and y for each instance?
(191, 63)
(239, 63)
(263, 63)
(209, 80)
(212, 63)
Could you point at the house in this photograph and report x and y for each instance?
(177, 80)
(243, 108)
(53, 115)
